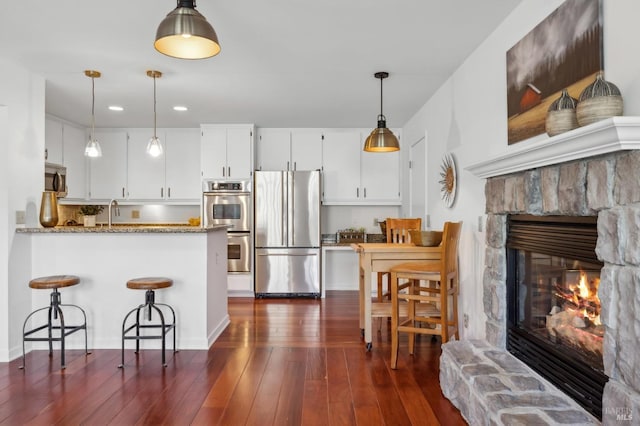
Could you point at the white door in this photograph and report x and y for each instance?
(145, 174)
(109, 172)
(341, 166)
(306, 149)
(417, 181)
(213, 155)
(75, 140)
(239, 152)
(182, 152)
(273, 149)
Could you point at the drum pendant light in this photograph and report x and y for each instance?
(381, 139)
(93, 149)
(186, 34)
(154, 147)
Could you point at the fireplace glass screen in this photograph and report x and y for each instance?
(553, 310)
(558, 302)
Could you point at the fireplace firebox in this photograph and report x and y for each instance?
(553, 310)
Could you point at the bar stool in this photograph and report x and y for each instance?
(53, 283)
(149, 284)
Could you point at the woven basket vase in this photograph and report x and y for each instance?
(561, 116)
(600, 100)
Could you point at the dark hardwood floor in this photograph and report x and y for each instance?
(280, 362)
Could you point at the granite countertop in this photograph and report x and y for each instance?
(175, 228)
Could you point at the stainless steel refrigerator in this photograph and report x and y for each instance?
(287, 233)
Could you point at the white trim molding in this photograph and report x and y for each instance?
(603, 137)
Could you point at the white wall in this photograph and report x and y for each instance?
(22, 139)
(467, 117)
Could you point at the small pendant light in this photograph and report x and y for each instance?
(381, 139)
(93, 149)
(154, 147)
(186, 34)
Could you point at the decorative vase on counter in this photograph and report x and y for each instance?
(89, 220)
(561, 116)
(49, 209)
(599, 100)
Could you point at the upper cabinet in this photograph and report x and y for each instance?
(354, 177)
(64, 144)
(108, 174)
(172, 176)
(289, 149)
(227, 151)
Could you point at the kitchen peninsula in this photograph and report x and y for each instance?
(106, 257)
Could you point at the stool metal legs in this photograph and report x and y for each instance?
(54, 313)
(149, 306)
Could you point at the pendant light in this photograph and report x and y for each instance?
(154, 147)
(186, 34)
(93, 149)
(381, 139)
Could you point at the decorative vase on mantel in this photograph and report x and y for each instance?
(599, 100)
(89, 220)
(49, 209)
(561, 115)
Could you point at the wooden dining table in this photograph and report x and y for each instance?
(381, 257)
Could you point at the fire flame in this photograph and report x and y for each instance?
(587, 295)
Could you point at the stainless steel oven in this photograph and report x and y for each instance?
(229, 203)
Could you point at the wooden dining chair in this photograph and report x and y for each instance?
(432, 285)
(397, 233)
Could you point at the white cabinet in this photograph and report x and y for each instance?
(289, 149)
(53, 134)
(145, 174)
(108, 174)
(227, 151)
(64, 144)
(352, 176)
(182, 166)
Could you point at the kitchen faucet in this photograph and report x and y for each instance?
(113, 203)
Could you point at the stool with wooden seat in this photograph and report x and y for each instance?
(397, 233)
(149, 284)
(440, 289)
(55, 333)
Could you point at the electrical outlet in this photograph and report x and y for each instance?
(466, 320)
(135, 214)
(480, 222)
(20, 217)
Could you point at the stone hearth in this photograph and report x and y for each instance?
(586, 172)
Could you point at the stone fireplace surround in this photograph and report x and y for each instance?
(594, 170)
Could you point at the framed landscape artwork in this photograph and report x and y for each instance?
(563, 51)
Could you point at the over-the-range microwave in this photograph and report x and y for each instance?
(55, 179)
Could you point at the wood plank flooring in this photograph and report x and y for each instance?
(280, 362)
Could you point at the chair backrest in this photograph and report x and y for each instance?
(450, 241)
(398, 229)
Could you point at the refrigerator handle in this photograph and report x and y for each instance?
(283, 198)
(292, 213)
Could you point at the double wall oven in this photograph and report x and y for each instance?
(229, 203)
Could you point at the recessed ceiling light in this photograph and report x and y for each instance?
(116, 108)
(180, 108)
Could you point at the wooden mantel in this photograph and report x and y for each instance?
(603, 137)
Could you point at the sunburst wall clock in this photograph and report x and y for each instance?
(448, 180)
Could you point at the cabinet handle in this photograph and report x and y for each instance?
(223, 171)
(229, 171)
(122, 192)
(295, 166)
(365, 193)
(288, 166)
(169, 192)
(161, 192)
(357, 192)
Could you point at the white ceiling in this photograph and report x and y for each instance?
(284, 63)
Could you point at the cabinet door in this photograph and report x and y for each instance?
(306, 149)
(273, 149)
(145, 174)
(239, 152)
(213, 152)
(75, 140)
(380, 177)
(182, 152)
(341, 166)
(109, 172)
(53, 136)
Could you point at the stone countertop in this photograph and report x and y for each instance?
(125, 229)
